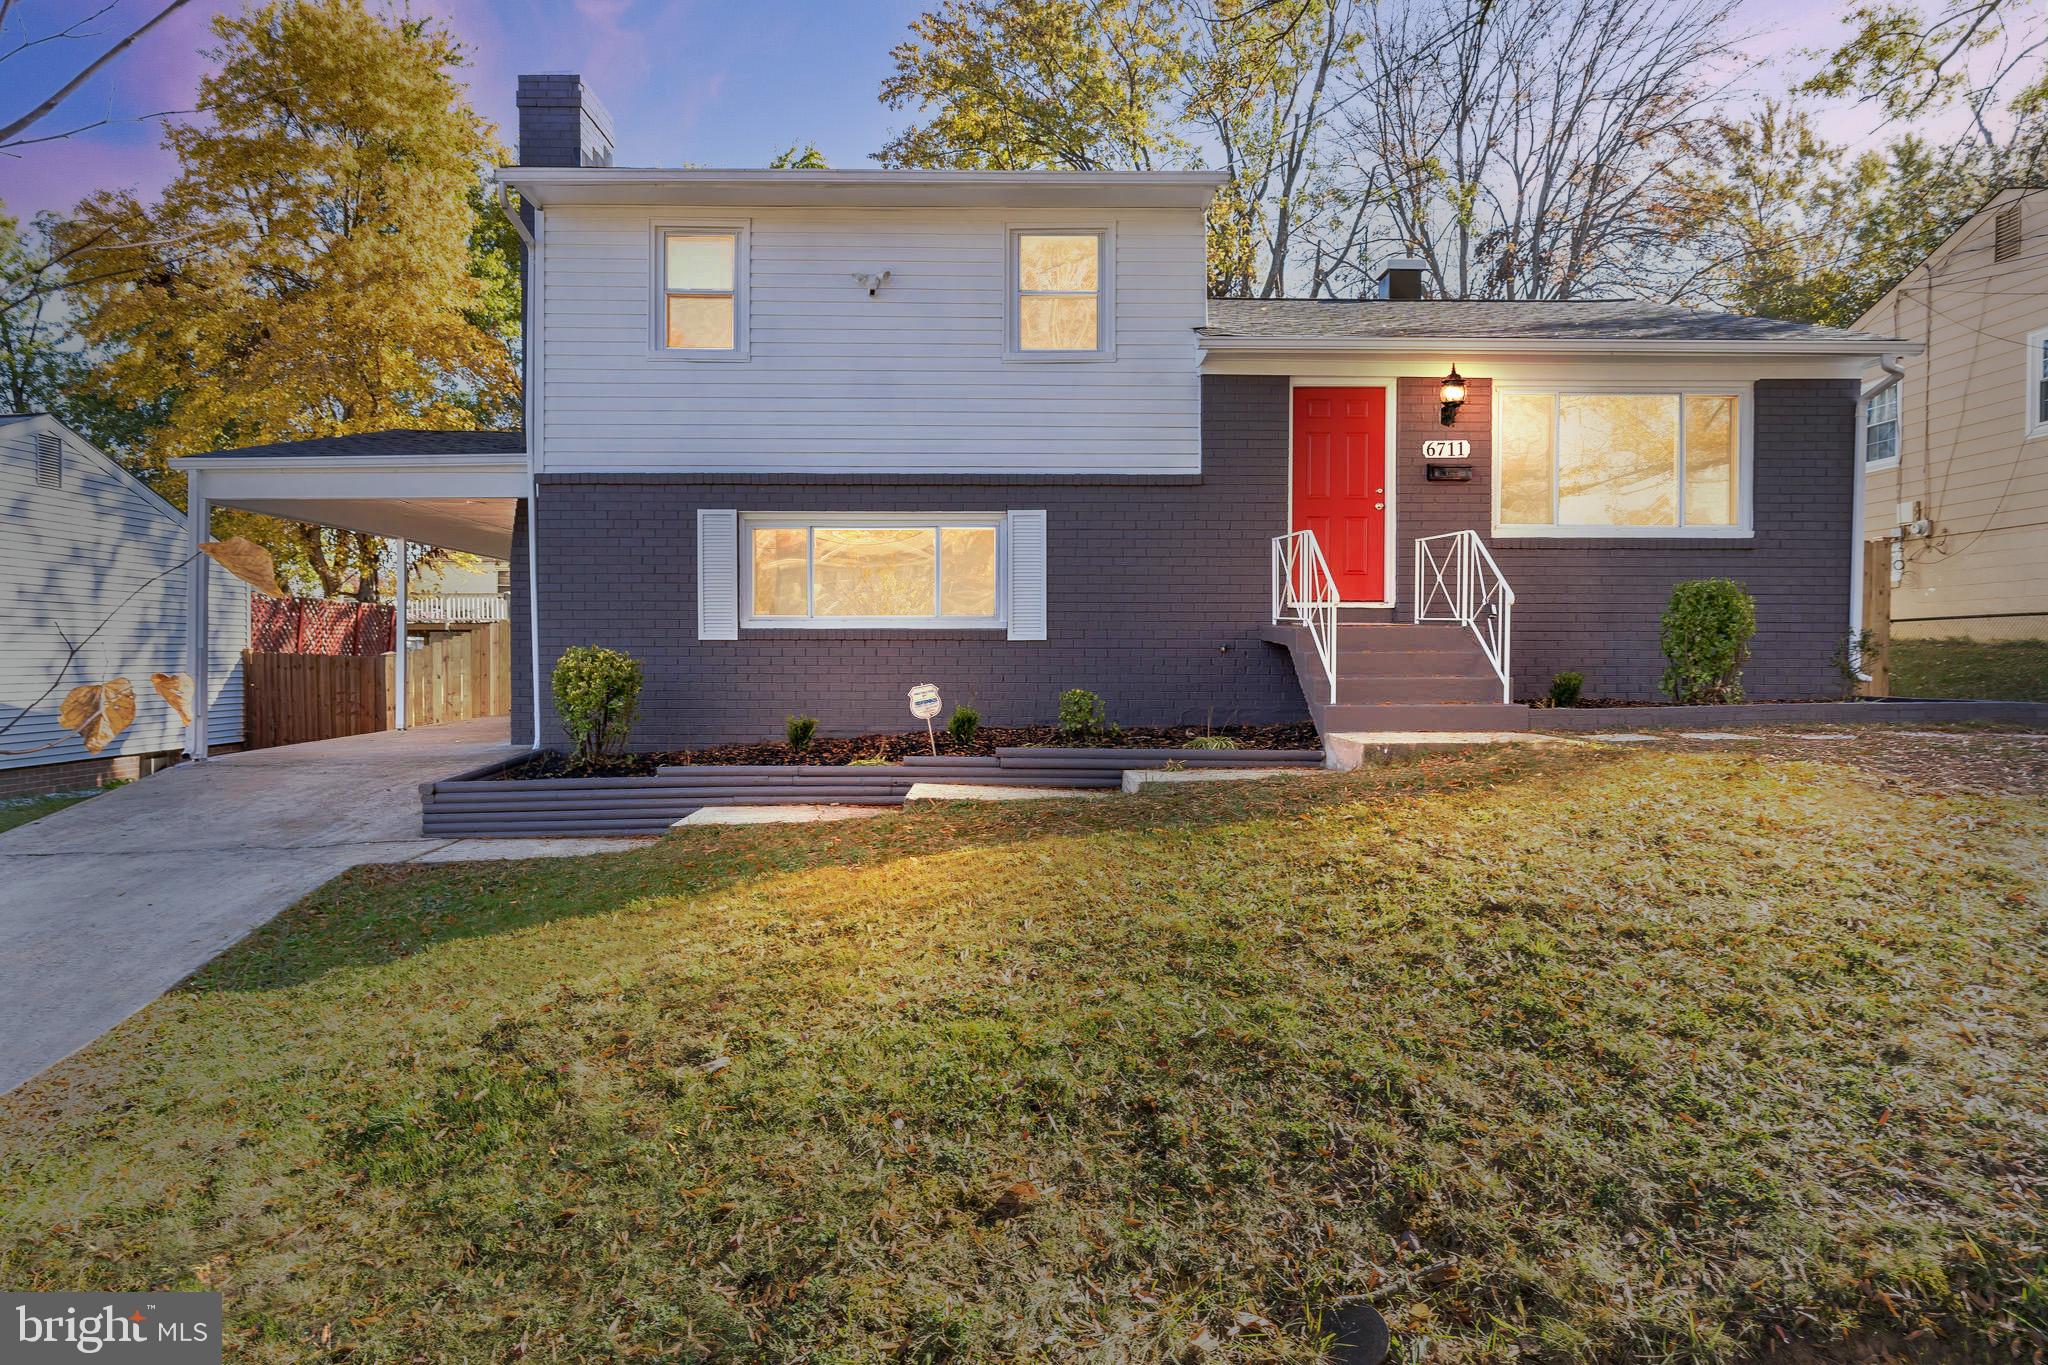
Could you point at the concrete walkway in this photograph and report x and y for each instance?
(108, 904)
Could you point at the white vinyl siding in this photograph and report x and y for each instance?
(70, 555)
(911, 379)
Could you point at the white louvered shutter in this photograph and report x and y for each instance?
(1027, 575)
(718, 574)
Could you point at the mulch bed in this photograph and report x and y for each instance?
(893, 748)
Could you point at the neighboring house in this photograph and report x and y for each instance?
(448, 593)
(1956, 453)
(80, 536)
(798, 440)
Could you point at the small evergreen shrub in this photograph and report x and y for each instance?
(799, 731)
(964, 721)
(1564, 689)
(1211, 742)
(1081, 713)
(1706, 633)
(597, 696)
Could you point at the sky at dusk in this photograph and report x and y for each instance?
(711, 82)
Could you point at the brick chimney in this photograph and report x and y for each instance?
(1401, 278)
(561, 123)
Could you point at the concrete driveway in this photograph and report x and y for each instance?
(108, 904)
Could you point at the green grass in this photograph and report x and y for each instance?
(2007, 670)
(20, 810)
(1562, 1055)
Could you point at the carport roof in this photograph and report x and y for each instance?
(456, 489)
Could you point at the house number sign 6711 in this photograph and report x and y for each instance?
(1446, 450)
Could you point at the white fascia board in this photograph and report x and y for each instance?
(550, 186)
(1526, 346)
(229, 477)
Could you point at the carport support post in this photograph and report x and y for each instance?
(398, 664)
(197, 532)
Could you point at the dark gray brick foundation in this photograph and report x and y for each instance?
(1158, 588)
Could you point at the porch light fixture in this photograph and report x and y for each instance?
(1453, 394)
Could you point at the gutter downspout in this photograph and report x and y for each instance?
(532, 402)
(1895, 373)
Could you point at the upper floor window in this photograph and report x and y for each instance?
(2037, 383)
(1620, 464)
(1059, 299)
(1881, 427)
(702, 295)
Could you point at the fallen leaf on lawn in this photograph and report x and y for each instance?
(175, 689)
(716, 1065)
(1253, 1322)
(1018, 1198)
(98, 712)
(1205, 1341)
(246, 560)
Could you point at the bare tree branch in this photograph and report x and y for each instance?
(11, 131)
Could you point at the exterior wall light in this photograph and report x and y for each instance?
(1453, 395)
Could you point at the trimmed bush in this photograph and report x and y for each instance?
(1081, 712)
(1706, 633)
(1564, 689)
(964, 721)
(799, 731)
(597, 696)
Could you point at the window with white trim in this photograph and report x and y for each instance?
(859, 569)
(1619, 464)
(1057, 293)
(1881, 427)
(2037, 383)
(701, 293)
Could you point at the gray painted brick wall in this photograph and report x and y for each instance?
(1156, 593)
(1592, 606)
(1158, 589)
(561, 123)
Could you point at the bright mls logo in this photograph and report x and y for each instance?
(165, 1329)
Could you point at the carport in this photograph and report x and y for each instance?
(456, 489)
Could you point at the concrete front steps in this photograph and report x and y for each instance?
(1395, 677)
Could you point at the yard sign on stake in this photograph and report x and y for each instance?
(924, 704)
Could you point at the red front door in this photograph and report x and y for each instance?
(1340, 484)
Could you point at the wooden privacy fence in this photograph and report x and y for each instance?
(294, 698)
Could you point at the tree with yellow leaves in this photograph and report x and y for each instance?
(309, 270)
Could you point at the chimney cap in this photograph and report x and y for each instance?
(1401, 278)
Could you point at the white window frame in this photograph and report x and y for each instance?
(1744, 393)
(1105, 293)
(2032, 423)
(739, 229)
(812, 521)
(1898, 421)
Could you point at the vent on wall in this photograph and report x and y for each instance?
(49, 461)
(2005, 233)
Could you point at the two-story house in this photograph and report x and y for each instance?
(801, 439)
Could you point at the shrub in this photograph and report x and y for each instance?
(1081, 712)
(799, 730)
(963, 723)
(1564, 689)
(597, 696)
(1706, 636)
(1211, 742)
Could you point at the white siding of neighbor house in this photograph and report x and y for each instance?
(67, 556)
(912, 379)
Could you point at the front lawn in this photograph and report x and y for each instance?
(2005, 670)
(1582, 1053)
(20, 810)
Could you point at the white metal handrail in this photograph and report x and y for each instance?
(1457, 580)
(1305, 594)
(455, 609)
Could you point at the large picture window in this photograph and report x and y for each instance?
(873, 571)
(1620, 463)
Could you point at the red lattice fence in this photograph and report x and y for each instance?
(309, 625)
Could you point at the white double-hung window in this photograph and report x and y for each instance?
(701, 282)
(1060, 305)
(868, 570)
(2037, 383)
(1881, 428)
(1622, 463)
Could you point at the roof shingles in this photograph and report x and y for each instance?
(1498, 320)
(401, 442)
